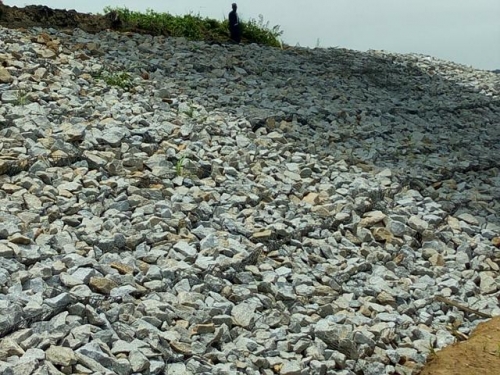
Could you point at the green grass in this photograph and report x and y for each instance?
(431, 350)
(260, 32)
(21, 98)
(194, 27)
(179, 166)
(118, 79)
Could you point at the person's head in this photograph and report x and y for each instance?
(234, 6)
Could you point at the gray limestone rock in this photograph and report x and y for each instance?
(5, 76)
(244, 314)
(291, 368)
(237, 215)
(60, 355)
(94, 352)
(138, 361)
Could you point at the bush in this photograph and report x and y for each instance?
(259, 32)
(194, 27)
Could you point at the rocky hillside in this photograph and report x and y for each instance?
(175, 207)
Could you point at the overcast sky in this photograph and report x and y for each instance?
(464, 31)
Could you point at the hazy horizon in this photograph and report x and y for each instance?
(463, 31)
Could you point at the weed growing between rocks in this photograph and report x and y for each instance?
(119, 79)
(21, 98)
(189, 112)
(179, 166)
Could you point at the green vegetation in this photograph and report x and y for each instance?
(179, 166)
(431, 351)
(190, 112)
(194, 27)
(119, 79)
(21, 98)
(260, 32)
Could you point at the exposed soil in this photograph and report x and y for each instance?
(39, 15)
(43, 16)
(479, 355)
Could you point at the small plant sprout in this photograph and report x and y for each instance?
(179, 166)
(190, 112)
(432, 351)
(21, 97)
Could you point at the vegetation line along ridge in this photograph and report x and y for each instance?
(193, 26)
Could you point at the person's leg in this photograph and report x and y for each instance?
(235, 35)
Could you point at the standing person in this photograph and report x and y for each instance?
(234, 25)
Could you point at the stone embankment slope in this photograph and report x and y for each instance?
(240, 209)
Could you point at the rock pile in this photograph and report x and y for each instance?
(177, 207)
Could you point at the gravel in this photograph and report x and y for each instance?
(240, 209)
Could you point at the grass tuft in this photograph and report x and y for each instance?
(119, 79)
(260, 32)
(179, 166)
(21, 98)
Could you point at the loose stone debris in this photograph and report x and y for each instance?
(177, 207)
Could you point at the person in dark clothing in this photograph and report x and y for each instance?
(234, 25)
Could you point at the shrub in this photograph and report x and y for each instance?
(260, 32)
(194, 27)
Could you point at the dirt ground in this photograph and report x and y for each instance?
(479, 355)
(39, 15)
